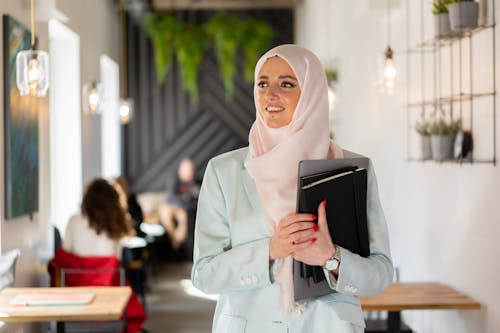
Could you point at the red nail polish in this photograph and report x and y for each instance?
(314, 217)
(316, 228)
(324, 203)
(313, 240)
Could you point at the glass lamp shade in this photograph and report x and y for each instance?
(92, 98)
(388, 74)
(32, 68)
(126, 110)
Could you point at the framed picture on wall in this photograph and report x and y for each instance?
(20, 128)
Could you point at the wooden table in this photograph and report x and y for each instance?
(108, 304)
(416, 296)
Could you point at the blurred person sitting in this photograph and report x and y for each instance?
(93, 242)
(179, 213)
(100, 226)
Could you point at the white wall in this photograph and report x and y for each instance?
(443, 218)
(97, 24)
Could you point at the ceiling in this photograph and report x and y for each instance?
(167, 5)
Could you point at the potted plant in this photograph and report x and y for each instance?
(441, 18)
(423, 128)
(463, 14)
(443, 137)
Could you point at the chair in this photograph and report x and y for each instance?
(8, 268)
(57, 239)
(7, 273)
(67, 269)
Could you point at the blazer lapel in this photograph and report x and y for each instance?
(250, 188)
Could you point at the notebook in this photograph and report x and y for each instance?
(40, 298)
(343, 182)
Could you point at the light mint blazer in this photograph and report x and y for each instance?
(231, 258)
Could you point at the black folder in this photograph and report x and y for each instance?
(343, 183)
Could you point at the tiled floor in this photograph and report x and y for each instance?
(171, 308)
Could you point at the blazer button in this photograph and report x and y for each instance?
(248, 281)
(255, 279)
(242, 281)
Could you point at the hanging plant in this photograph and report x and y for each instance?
(226, 32)
(190, 46)
(256, 40)
(162, 30)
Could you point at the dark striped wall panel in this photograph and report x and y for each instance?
(167, 127)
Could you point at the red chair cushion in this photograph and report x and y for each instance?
(106, 274)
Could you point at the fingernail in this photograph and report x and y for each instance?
(324, 203)
(316, 228)
(314, 217)
(313, 240)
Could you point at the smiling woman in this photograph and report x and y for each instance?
(277, 92)
(247, 232)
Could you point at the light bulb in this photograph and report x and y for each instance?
(124, 113)
(331, 98)
(93, 99)
(126, 110)
(389, 69)
(34, 71)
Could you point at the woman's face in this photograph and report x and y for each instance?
(277, 92)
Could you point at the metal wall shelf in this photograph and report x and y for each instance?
(448, 51)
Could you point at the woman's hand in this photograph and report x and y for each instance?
(322, 247)
(294, 233)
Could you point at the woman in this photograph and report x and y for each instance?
(97, 231)
(247, 232)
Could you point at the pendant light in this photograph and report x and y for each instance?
(390, 72)
(126, 103)
(32, 67)
(92, 98)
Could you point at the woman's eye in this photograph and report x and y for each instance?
(288, 85)
(262, 84)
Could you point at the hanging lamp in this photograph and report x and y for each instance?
(32, 66)
(389, 72)
(92, 98)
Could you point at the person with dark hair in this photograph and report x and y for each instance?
(130, 203)
(97, 231)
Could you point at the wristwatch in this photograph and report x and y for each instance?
(334, 262)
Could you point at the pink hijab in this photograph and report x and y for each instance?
(276, 152)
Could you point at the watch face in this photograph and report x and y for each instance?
(332, 264)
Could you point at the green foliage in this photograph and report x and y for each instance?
(190, 46)
(423, 127)
(256, 39)
(228, 32)
(442, 127)
(453, 1)
(331, 74)
(162, 30)
(440, 6)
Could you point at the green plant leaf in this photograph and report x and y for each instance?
(190, 46)
(225, 30)
(257, 38)
(162, 30)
